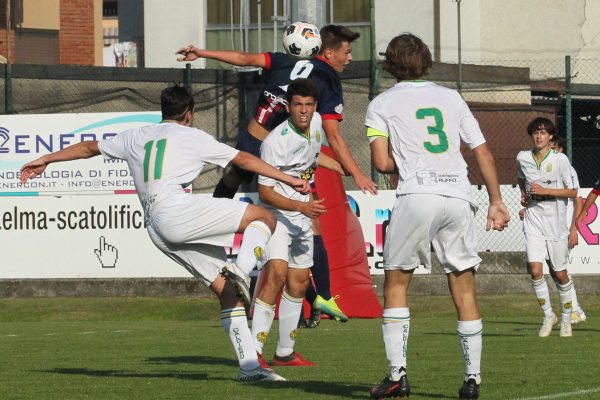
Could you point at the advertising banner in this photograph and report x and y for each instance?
(26, 137)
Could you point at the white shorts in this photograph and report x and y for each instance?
(292, 241)
(192, 230)
(540, 249)
(419, 220)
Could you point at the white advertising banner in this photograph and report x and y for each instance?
(103, 236)
(27, 137)
(48, 231)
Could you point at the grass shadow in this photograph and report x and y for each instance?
(112, 373)
(207, 360)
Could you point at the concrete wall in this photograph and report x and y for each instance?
(41, 14)
(169, 25)
(516, 281)
(496, 30)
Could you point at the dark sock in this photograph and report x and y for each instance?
(320, 268)
(223, 191)
(310, 294)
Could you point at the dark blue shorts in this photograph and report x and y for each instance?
(247, 142)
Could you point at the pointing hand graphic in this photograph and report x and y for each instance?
(107, 254)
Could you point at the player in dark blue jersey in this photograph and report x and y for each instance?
(334, 55)
(323, 70)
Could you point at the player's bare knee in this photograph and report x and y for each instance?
(562, 277)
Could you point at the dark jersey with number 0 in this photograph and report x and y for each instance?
(282, 69)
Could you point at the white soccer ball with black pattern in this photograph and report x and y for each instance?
(301, 39)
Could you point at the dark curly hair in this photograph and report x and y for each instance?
(407, 57)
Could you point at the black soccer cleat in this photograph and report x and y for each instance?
(391, 389)
(469, 390)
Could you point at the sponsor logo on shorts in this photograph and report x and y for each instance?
(307, 174)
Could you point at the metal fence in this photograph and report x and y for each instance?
(504, 96)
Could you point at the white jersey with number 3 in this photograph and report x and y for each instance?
(425, 123)
(164, 158)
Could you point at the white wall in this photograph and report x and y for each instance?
(393, 17)
(170, 25)
(497, 30)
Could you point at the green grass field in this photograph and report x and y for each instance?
(156, 348)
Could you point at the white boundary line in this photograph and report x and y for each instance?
(561, 395)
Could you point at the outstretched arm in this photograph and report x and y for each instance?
(254, 164)
(77, 151)
(591, 199)
(239, 58)
(498, 215)
(342, 152)
(312, 208)
(330, 163)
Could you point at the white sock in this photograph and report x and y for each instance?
(540, 288)
(565, 292)
(575, 301)
(261, 323)
(396, 327)
(254, 246)
(469, 334)
(289, 313)
(235, 324)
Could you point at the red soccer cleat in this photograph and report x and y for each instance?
(262, 361)
(293, 360)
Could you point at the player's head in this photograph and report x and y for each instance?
(177, 104)
(301, 103)
(336, 45)
(541, 124)
(541, 130)
(558, 143)
(407, 57)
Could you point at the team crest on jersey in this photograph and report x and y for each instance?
(285, 131)
(549, 167)
(307, 174)
(318, 136)
(293, 334)
(258, 252)
(262, 337)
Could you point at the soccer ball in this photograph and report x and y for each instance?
(301, 39)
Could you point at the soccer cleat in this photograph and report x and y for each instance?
(240, 280)
(388, 388)
(260, 374)
(469, 390)
(578, 316)
(565, 328)
(315, 318)
(293, 360)
(330, 308)
(261, 360)
(546, 328)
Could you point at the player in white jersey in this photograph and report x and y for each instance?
(293, 147)
(415, 129)
(546, 182)
(574, 207)
(191, 229)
